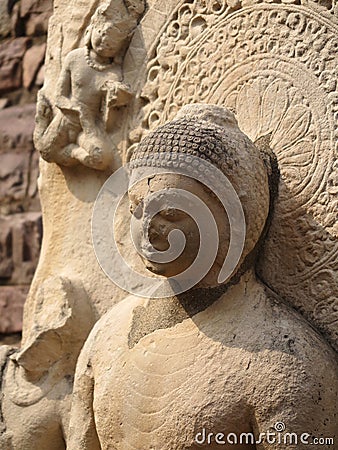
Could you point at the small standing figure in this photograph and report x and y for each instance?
(90, 87)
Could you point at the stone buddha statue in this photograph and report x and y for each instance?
(225, 362)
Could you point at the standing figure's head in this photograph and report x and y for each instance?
(216, 174)
(111, 25)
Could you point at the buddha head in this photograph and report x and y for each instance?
(206, 141)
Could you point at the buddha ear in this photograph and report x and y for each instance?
(62, 321)
(270, 161)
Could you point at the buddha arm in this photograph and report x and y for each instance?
(302, 413)
(82, 433)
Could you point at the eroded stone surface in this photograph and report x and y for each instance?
(36, 380)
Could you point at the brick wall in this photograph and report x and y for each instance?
(23, 27)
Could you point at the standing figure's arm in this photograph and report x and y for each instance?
(120, 95)
(63, 88)
(115, 94)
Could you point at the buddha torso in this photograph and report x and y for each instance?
(202, 376)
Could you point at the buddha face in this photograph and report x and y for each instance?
(171, 218)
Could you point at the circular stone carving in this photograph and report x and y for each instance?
(275, 66)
